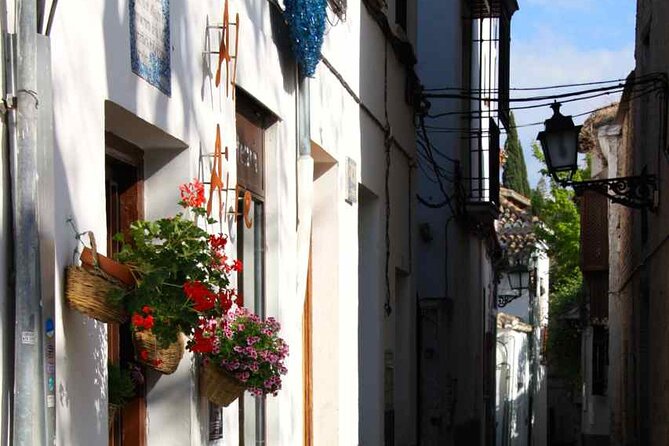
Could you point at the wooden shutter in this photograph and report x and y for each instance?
(594, 232)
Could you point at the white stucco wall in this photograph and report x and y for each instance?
(513, 419)
(91, 65)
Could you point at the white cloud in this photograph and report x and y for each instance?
(561, 4)
(550, 60)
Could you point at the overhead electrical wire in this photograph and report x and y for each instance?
(438, 129)
(655, 81)
(652, 76)
(435, 165)
(648, 84)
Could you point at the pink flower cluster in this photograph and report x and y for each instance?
(247, 347)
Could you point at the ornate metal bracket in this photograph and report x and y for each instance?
(636, 192)
(505, 299)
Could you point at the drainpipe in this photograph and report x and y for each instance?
(305, 181)
(29, 402)
(6, 256)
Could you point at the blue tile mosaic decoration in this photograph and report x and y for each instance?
(150, 50)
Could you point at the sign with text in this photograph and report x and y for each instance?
(250, 156)
(150, 42)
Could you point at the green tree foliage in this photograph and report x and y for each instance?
(560, 230)
(515, 170)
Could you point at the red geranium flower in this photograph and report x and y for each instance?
(144, 355)
(218, 242)
(237, 265)
(137, 320)
(192, 194)
(201, 343)
(201, 296)
(148, 322)
(225, 299)
(147, 309)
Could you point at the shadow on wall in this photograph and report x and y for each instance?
(85, 339)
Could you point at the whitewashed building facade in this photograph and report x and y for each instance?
(329, 162)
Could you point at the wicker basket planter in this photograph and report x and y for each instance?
(112, 411)
(219, 386)
(88, 286)
(86, 291)
(163, 360)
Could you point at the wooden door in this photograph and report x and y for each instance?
(124, 200)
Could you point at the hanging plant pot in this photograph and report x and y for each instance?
(112, 411)
(306, 25)
(87, 288)
(219, 386)
(112, 268)
(163, 360)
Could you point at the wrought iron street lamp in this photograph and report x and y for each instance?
(519, 278)
(559, 143)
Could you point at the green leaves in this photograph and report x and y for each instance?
(164, 254)
(560, 229)
(121, 386)
(515, 170)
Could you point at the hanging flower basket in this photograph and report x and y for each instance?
(306, 24)
(112, 411)
(163, 360)
(89, 288)
(219, 386)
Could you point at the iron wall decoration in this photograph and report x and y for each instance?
(636, 191)
(224, 53)
(306, 21)
(504, 299)
(150, 49)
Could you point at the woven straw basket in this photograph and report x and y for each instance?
(219, 387)
(112, 410)
(168, 358)
(86, 291)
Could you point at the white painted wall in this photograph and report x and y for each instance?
(90, 53)
(513, 350)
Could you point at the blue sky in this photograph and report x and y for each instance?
(568, 41)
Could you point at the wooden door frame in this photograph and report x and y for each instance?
(134, 414)
(307, 357)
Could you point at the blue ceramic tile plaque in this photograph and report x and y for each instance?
(150, 42)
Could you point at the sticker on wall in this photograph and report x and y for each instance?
(351, 181)
(52, 383)
(50, 353)
(49, 328)
(50, 401)
(28, 338)
(150, 51)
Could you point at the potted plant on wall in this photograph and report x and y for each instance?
(121, 389)
(241, 352)
(166, 256)
(96, 287)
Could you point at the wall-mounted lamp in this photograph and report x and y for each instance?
(559, 142)
(518, 276)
